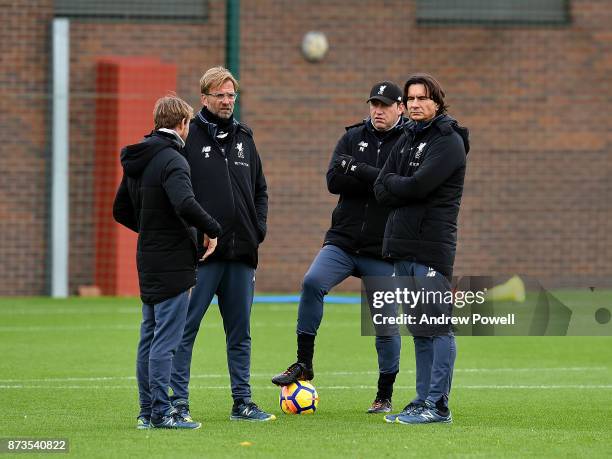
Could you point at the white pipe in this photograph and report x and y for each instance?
(59, 162)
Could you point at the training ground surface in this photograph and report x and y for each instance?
(67, 366)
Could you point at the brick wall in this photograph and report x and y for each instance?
(192, 47)
(538, 189)
(536, 100)
(24, 121)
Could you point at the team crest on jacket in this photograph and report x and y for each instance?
(362, 145)
(206, 151)
(240, 150)
(382, 88)
(420, 150)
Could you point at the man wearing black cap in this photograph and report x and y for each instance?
(353, 244)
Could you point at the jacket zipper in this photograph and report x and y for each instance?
(229, 179)
(365, 209)
(388, 254)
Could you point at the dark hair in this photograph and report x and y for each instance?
(433, 88)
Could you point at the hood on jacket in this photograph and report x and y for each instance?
(136, 157)
(445, 124)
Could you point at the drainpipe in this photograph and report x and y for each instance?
(59, 158)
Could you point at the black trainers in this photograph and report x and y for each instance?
(249, 411)
(428, 414)
(380, 406)
(143, 422)
(296, 372)
(182, 410)
(408, 410)
(173, 421)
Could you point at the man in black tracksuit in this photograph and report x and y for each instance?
(229, 182)
(156, 200)
(423, 182)
(353, 244)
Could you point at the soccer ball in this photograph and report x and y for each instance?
(314, 46)
(299, 398)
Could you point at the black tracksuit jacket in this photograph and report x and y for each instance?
(229, 182)
(423, 181)
(155, 199)
(358, 221)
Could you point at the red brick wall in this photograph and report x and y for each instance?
(192, 47)
(24, 140)
(538, 189)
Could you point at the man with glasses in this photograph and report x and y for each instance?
(353, 244)
(228, 180)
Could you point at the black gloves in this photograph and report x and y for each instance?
(346, 164)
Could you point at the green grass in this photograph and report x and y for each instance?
(67, 366)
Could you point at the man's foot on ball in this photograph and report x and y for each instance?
(297, 371)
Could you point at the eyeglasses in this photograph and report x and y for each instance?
(420, 98)
(222, 95)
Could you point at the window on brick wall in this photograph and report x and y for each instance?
(156, 10)
(493, 11)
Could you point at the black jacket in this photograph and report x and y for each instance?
(156, 200)
(358, 221)
(228, 182)
(423, 181)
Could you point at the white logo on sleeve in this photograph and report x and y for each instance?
(240, 150)
(431, 272)
(381, 90)
(362, 145)
(206, 151)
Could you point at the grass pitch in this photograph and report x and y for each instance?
(67, 371)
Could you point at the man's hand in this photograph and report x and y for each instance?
(346, 164)
(211, 245)
(343, 163)
(389, 179)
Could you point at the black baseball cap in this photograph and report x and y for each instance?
(387, 92)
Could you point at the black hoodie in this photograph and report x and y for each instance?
(423, 181)
(155, 199)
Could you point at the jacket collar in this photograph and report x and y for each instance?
(174, 134)
(401, 122)
(212, 128)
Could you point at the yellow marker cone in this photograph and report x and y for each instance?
(512, 290)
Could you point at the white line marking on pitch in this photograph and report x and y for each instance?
(136, 326)
(492, 386)
(322, 373)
